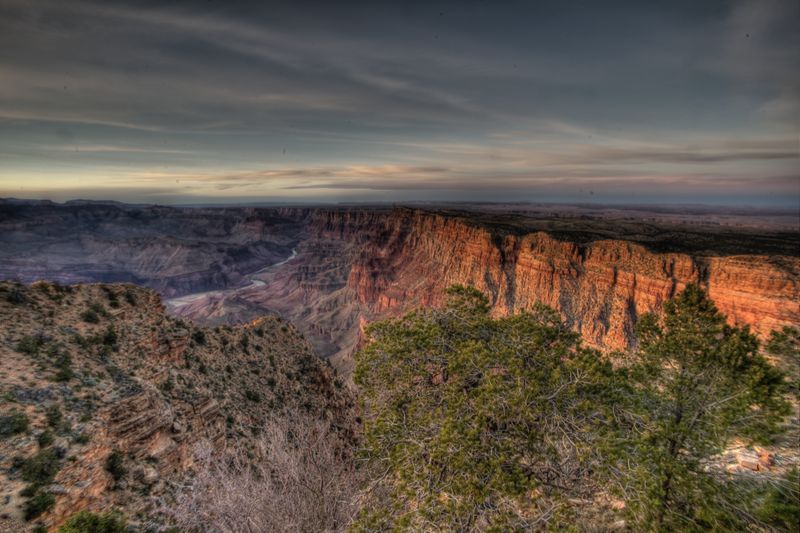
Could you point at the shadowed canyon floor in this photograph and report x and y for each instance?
(331, 270)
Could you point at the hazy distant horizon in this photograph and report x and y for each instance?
(667, 207)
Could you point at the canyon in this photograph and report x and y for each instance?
(332, 270)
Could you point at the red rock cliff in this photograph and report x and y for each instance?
(409, 257)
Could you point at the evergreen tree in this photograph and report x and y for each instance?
(475, 423)
(697, 383)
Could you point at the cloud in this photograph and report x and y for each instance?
(364, 97)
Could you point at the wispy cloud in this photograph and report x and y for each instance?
(360, 97)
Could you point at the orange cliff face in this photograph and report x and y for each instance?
(408, 258)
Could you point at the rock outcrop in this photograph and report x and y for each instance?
(600, 287)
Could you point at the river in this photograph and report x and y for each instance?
(193, 297)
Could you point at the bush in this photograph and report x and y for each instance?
(110, 336)
(86, 522)
(130, 297)
(40, 468)
(45, 439)
(93, 313)
(785, 342)
(15, 296)
(64, 370)
(90, 316)
(252, 395)
(13, 423)
(112, 297)
(305, 480)
(39, 503)
(115, 465)
(199, 337)
(30, 344)
(168, 384)
(54, 416)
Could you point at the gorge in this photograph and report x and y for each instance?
(331, 270)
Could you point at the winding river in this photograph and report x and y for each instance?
(193, 297)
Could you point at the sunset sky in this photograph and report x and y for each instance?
(218, 101)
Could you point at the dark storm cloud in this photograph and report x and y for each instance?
(306, 97)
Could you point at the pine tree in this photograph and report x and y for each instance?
(475, 423)
(698, 382)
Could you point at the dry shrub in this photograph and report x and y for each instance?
(299, 476)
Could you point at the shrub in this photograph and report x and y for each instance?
(112, 297)
(168, 384)
(13, 423)
(40, 468)
(39, 503)
(45, 439)
(30, 344)
(115, 465)
(110, 336)
(90, 316)
(87, 522)
(15, 296)
(130, 297)
(199, 337)
(98, 308)
(306, 481)
(252, 395)
(64, 370)
(780, 507)
(784, 342)
(54, 416)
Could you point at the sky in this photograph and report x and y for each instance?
(369, 101)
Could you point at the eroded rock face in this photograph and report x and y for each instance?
(359, 265)
(600, 287)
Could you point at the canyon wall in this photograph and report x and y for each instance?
(408, 257)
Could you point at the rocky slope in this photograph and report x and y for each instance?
(103, 396)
